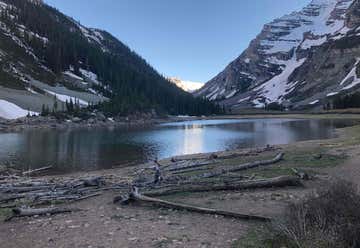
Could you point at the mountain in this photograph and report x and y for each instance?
(302, 60)
(187, 86)
(47, 58)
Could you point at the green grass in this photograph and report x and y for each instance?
(316, 158)
(305, 158)
(256, 237)
(5, 213)
(352, 136)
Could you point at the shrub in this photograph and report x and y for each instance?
(329, 219)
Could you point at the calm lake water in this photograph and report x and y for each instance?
(83, 149)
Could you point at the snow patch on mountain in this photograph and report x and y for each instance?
(90, 76)
(66, 98)
(261, 73)
(314, 102)
(72, 75)
(274, 89)
(332, 94)
(320, 19)
(352, 76)
(10, 111)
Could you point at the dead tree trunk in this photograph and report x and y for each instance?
(242, 167)
(20, 212)
(30, 172)
(282, 181)
(135, 196)
(157, 176)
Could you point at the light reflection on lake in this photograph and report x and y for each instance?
(89, 149)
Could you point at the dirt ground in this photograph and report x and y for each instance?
(103, 224)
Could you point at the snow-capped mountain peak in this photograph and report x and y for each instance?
(188, 86)
(267, 70)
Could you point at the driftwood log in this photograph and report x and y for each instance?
(23, 212)
(136, 196)
(190, 166)
(39, 192)
(30, 172)
(243, 167)
(282, 181)
(251, 152)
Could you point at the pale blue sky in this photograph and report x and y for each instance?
(190, 39)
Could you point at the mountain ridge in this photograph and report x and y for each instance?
(48, 57)
(266, 71)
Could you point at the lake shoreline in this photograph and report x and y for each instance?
(39, 122)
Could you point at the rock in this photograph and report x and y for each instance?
(318, 156)
(74, 227)
(214, 156)
(76, 120)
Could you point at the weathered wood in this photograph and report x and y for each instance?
(42, 191)
(301, 175)
(242, 167)
(252, 152)
(13, 189)
(23, 212)
(158, 174)
(30, 172)
(135, 196)
(9, 198)
(186, 168)
(93, 182)
(282, 181)
(86, 197)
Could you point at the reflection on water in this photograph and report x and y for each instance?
(83, 149)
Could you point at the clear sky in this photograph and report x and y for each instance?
(191, 39)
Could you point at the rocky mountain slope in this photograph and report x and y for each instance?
(301, 60)
(47, 57)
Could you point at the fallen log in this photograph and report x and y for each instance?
(242, 167)
(135, 196)
(22, 212)
(10, 198)
(197, 169)
(282, 181)
(12, 189)
(94, 182)
(184, 168)
(252, 152)
(158, 174)
(86, 197)
(30, 172)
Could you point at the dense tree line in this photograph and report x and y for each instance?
(274, 106)
(134, 84)
(347, 101)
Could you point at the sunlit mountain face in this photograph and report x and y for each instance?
(301, 60)
(188, 86)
